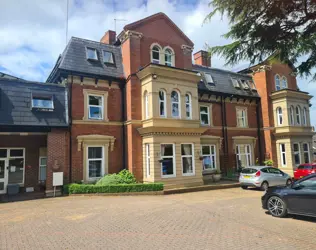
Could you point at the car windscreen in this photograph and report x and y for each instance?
(305, 167)
(249, 171)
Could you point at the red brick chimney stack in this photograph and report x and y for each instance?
(202, 58)
(109, 37)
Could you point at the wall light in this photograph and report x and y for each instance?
(154, 76)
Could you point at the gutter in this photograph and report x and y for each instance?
(258, 109)
(70, 128)
(123, 126)
(224, 130)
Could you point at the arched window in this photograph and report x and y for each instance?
(298, 115)
(168, 57)
(155, 54)
(291, 115)
(175, 104)
(188, 106)
(284, 83)
(162, 103)
(277, 82)
(304, 116)
(279, 116)
(146, 105)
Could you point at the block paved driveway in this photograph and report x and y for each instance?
(219, 219)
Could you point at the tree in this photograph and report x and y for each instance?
(260, 28)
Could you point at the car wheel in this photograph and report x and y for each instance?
(244, 187)
(288, 182)
(264, 186)
(277, 207)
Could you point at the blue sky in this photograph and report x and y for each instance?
(31, 41)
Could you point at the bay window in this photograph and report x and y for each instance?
(167, 152)
(283, 155)
(187, 159)
(147, 151)
(306, 153)
(292, 115)
(188, 106)
(162, 103)
(304, 116)
(297, 153)
(298, 115)
(279, 116)
(175, 104)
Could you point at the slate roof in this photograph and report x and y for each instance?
(223, 82)
(74, 59)
(4, 75)
(16, 109)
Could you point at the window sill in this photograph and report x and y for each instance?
(168, 176)
(191, 174)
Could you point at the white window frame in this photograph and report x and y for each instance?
(188, 156)
(304, 152)
(146, 105)
(210, 155)
(155, 61)
(95, 159)
(243, 112)
(304, 116)
(38, 97)
(283, 162)
(41, 166)
(279, 112)
(292, 120)
(179, 104)
(208, 115)
(147, 158)
(235, 82)
(95, 53)
(283, 82)
(297, 152)
(298, 115)
(246, 153)
(112, 57)
(277, 82)
(188, 104)
(99, 106)
(173, 161)
(164, 102)
(168, 63)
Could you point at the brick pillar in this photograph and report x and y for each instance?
(57, 157)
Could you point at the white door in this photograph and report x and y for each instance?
(3, 176)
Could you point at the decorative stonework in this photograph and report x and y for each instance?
(104, 140)
(187, 50)
(129, 33)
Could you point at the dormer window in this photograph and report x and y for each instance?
(244, 84)
(235, 83)
(108, 57)
(44, 103)
(209, 79)
(155, 54)
(252, 85)
(92, 54)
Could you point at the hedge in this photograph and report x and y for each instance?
(119, 188)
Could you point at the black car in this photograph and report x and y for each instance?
(298, 198)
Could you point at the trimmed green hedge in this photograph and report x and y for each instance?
(119, 188)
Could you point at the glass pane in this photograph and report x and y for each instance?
(205, 150)
(1, 186)
(186, 149)
(188, 111)
(2, 169)
(295, 147)
(16, 152)
(91, 54)
(305, 147)
(95, 112)
(161, 95)
(167, 166)
(95, 152)
(187, 165)
(42, 174)
(187, 98)
(213, 161)
(204, 119)
(174, 96)
(162, 109)
(16, 170)
(3, 153)
(95, 100)
(95, 168)
(107, 57)
(207, 162)
(156, 55)
(283, 159)
(204, 110)
(175, 109)
(283, 147)
(166, 150)
(297, 158)
(42, 103)
(213, 149)
(309, 183)
(43, 161)
(306, 158)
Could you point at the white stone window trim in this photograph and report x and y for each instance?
(173, 161)
(188, 104)
(297, 152)
(95, 159)
(178, 102)
(164, 102)
(210, 155)
(147, 158)
(306, 151)
(279, 113)
(172, 56)
(283, 153)
(41, 166)
(277, 82)
(188, 156)
(298, 115)
(207, 113)
(152, 60)
(96, 106)
(244, 117)
(104, 94)
(292, 120)
(247, 154)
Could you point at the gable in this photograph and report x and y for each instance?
(160, 26)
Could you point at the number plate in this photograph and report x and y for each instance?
(247, 176)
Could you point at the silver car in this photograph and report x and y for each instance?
(263, 177)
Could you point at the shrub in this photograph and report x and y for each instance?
(127, 177)
(120, 188)
(110, 179)
(268, 162)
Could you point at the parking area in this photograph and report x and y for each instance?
(219, 219)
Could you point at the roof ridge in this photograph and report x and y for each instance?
(218, 69)
(100, 43)
(31, 82)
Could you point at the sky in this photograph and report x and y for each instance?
(33, 32)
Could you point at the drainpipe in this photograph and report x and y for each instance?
(224, 130)
(258, 109)
(70, 124)
(123, 126)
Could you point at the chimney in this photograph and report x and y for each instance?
(202, 58)
(109, 37)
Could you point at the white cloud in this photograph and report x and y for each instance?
(32, 33)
